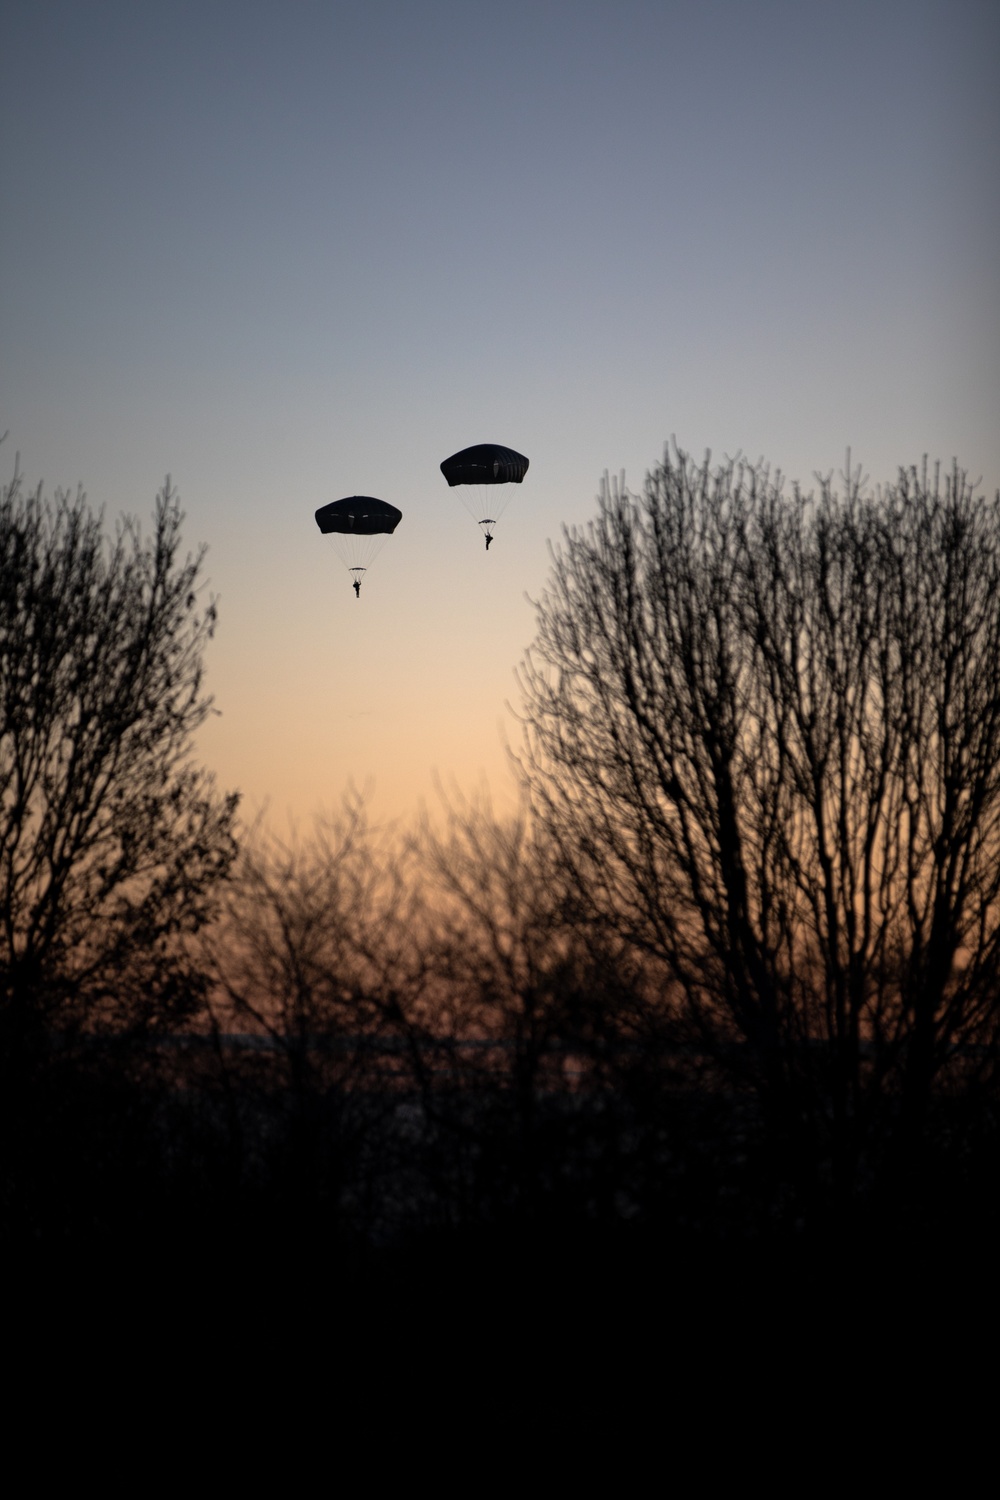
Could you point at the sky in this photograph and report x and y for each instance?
(290, 252)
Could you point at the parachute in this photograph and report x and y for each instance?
(359, 526)
(483, 464)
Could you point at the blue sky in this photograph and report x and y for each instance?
(292, 252)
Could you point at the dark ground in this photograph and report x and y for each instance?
(354, 1208)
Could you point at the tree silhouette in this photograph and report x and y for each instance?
(112, 844)
(505, 991)
(764, 733)
(307, 961)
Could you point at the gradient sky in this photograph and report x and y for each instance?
(292, 252)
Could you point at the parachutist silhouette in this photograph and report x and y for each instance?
(357, 526)
(482, 465)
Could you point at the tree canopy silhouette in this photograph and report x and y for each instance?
(764, 730)
(111, 841)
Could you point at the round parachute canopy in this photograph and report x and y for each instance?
(359, 515)
(485, 464)
(358, 528)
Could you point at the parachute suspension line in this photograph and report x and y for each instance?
(485, 503)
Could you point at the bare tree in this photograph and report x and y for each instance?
(526, 1026)
(315, 961)
(763, 731)
(306, 922)
(500, 951)
(112, 843)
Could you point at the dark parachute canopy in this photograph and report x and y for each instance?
(482, 464)
(359, 515)
(485, 463)
(359, 526)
